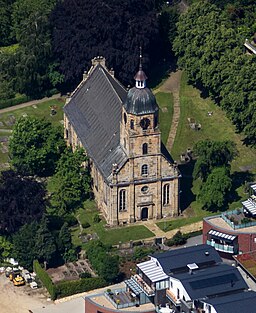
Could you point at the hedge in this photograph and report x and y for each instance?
(68, 288)
(45, 279)
(11, 102)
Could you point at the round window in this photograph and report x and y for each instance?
(144, 189)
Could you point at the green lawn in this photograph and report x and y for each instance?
(165, 102)
(215, 127)
(108, 236)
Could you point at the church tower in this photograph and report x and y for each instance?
(139, 131)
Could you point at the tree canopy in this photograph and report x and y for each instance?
(214, 192)
(114, 29)
(35, 146)
(71, 183)
(212, 154)
(209, 46)
(21, 201)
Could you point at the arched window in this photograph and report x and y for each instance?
(144, 170)
(166, 194)
(132, 124)
(122, 200)
(145, 148)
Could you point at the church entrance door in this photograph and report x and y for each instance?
(144, 213)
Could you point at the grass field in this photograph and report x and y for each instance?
(108, 236)
(215, 127)
(165, 101)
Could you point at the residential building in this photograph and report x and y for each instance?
(233, 232)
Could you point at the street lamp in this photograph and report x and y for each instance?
(164, 222)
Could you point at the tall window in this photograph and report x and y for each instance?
(122, 200)
(144, 169)
(166, 195)
(132, 124)
(145, 148)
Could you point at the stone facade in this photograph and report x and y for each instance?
(146, 185)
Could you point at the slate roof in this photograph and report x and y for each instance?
(140, 101)
(94, 111)
(236, 303)
(212, 281)
(177, 260)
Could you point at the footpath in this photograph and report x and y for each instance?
(29, 103)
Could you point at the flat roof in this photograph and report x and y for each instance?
(218, 221)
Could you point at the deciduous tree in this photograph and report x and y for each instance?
(35, 146)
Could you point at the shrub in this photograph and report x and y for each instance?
(11, 102)
(96, 218)
(71, 220)
(85, 275)
(85, 224)
(45, 279)
(177, 240)
(72, 287)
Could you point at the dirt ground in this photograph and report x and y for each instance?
(19, 299)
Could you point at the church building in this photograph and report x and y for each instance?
(134, 176)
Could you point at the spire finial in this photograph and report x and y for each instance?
(140, 66)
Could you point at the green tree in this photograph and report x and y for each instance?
(35, 146)
(114, 29)
(45, 243)
(212, 154)
(5, 22)
(6, 248)
(24, 245)
(32, 31)
(71, 183)
(214, 192)
(22, 200)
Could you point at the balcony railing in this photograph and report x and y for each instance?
(148, 290)
(219, 247)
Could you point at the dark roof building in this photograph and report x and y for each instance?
(177, 260)
(134, 177)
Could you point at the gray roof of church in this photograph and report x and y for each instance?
(140, 101)
(244, 301)
(94, 111)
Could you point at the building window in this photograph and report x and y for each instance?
(124, 143)
(155, 121)
(144, 170)
(144, 189)
(178, 293)
(132, 124)
(171, 284)
(125, 118)
(166, 194)
(122, 200)
(145, 148)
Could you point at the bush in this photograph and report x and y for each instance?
(85, 275)
(96, 218)
(177, 240)
(68, 288)
(45, 279)
(11, 102)
(71, 220)
(85, 224)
